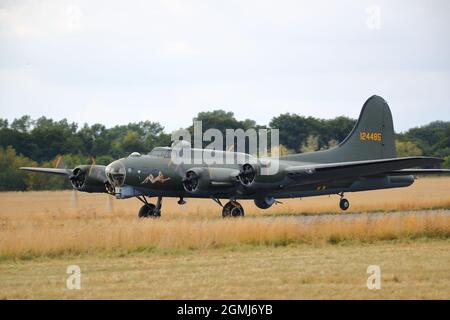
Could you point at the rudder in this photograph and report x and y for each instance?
(373, 136)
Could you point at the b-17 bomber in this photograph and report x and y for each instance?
(365, 160)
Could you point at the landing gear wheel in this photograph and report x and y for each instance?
(148, 211)
(344, 204)
(232, 209)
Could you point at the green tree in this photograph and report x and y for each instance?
(332, 143)
(433, 139)
(221, 120)
(281, 150)
(130, 142)
(50, 138)
(11, 178)
(95, 139)
(336, 129)
(294, 129)
(22, 124)
(20, 140)
(407, 149)
(104, 160)
(446, 163)
(4, 123)
(311, 144)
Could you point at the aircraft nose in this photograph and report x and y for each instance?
(116, 173)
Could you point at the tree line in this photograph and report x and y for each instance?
(50, 143)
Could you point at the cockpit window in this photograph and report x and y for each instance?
(156, 153)
(161, 152)
(115, 173)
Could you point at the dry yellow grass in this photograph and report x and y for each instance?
(54, 238)
(278, 253)
(39, 223)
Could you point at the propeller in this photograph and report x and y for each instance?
(190, 181)
(247, 174)
(78, 177)
(60, 164)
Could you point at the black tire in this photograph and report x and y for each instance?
(148, 211)
(232, 209)
(344, 204)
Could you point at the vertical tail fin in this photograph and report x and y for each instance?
(372, 137)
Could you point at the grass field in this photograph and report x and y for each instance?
(418, 269)
(300, 249)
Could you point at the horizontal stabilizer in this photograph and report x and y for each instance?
(343, 170)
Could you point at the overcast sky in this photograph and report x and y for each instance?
(116, 62)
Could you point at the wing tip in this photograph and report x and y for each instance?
(47, 170)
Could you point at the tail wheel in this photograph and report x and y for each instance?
(344, 204)
(232, 209)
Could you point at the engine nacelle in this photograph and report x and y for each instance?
(195, 180)
(202, 179)
(265, 203)
(89, 178)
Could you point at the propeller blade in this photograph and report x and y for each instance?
(109, 203)
(92, 165)
(59, 163)
(74, 199)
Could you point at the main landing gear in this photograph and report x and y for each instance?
(344, 204)
(232, 209)
(150, 210)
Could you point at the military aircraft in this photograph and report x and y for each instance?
(365, 160)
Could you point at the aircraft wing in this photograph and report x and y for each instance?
(343, 170)
(86, 178)
(63, 172)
